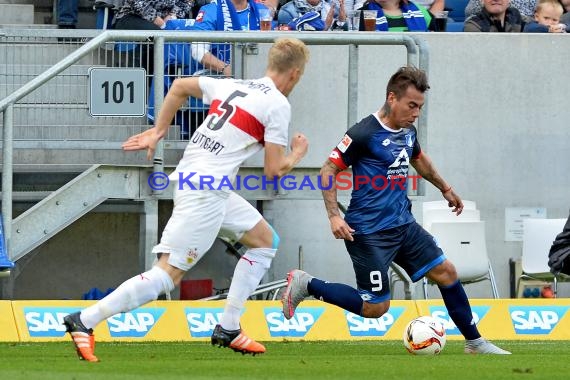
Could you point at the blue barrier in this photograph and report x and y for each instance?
(5, 264)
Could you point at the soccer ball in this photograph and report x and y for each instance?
(424, 336)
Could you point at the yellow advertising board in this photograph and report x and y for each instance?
(8, 331)
(517, 319)
(522, 319)
(195, 320)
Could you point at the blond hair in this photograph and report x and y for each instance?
(554, 3)
(286, 54)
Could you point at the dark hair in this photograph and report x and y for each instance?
(405, 77)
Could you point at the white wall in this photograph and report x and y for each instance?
(497, 130)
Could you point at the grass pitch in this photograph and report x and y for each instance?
(284, 360)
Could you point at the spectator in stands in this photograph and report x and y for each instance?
(565, 19)
(525, 7)
(298, 13)
(546, 18)
(67, 12)
(432, 5)
(496, 16)
(215, 59)
(391, 18)
(150, 15)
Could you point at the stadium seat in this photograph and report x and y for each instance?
(464, 244)
(442, 205)
(454, 27)
(456, 9)
(431, 216)
(538, 235)
(462, 239)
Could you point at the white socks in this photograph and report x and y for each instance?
(129, 295)
(248, 273)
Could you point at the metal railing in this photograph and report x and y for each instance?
(417, 54)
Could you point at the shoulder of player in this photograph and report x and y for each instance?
(364, 129)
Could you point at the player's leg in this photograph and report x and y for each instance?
(245, 224)
(420, 256)
(183, 243)
(371, 256)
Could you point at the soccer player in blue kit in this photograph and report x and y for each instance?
(378, 227)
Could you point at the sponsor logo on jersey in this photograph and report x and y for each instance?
(298, 326)
(344, 143)
(529, 320)
(386, 142)
(203, 320)
(402, 159)
(440, 313)
(200, 16)
(134, 324)
(47, 321)
(360, 326)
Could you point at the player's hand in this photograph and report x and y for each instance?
(146, 140)
(341, 229)
(454, 201)
(299, 144)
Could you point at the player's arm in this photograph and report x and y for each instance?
(426, 169)
(339, 228)
(278, 162)
(178, 94)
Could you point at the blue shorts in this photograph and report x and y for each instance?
(409, 246)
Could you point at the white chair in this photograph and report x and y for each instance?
(443, 205)
(441, 215)
(538, 235)
(464, 244)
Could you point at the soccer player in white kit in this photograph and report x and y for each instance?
(244, 117)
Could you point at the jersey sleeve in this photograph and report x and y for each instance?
(206, 17)
(208, 86)
(348, 150)
(277, 125)
(417, 149)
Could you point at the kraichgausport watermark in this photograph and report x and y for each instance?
(342, 181)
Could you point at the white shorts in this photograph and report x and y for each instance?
(197, 219)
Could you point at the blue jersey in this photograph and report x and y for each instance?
(214, 16)
(380, 158)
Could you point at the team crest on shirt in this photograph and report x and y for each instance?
(200, 16)
(409, 141)
(344, 143)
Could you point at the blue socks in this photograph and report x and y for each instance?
(459, 310)
(341, 295)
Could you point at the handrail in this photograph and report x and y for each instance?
(411, 42)
(186, 36)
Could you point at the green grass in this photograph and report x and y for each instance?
(360, 360)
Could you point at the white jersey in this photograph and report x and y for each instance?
(243, 115)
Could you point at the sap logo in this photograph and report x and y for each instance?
(360, 326)
(298, 326)
(536, 319)
(440, 313)
(46, 321)
(203, 320)
(134, 324)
